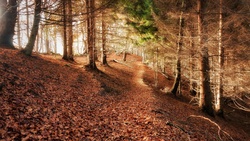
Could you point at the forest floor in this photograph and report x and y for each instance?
(45, 98)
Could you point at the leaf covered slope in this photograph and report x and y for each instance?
(42, 98)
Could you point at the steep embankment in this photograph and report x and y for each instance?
(44, 99)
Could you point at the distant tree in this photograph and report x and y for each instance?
(8, 15)
(65, 47)
(27, 18)
(103, 48)
(18, 27)
(70, 30)
(34, 31)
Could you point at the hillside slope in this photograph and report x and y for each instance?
(42, 98)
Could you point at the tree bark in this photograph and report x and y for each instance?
(206, 98)
(34, 31)
(219, 93)
(18, 29)
(103, 50)
(7, 22)
(70, 31)
(65, 48)
(192, 62)
(27, 18)
(91, 33)
(177, 82)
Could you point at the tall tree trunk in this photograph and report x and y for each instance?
(91, 33)
(8, 15)
(192, 62)
(65, 48)
(206, 98)
(41, 38)
(103, 50)
(34, 31)
(219, 93)
(177, 82)
(70, 31)
(27, 18)
(47, 42)
(37, 41)
(19, 28)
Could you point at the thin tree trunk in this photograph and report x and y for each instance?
(91, 33)
(27, 18)
(37, 41)
(47, 42)
(193, 84)
(29, 47)
(70, 31)
(177, 82)
(103, 50)
(219, 93)
(7, 22)
(18, 29)
(41, 38)
(206, 98)
(65, 49)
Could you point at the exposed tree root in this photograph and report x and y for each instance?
(219, 128)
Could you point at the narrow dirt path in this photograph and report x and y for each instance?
(132, 113)
(138, 113)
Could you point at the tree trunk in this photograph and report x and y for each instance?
(206, 98)
(47, 42)
(19, 28)
(192, 62)
(103, 50)
(219, 93)
(177, 82)
(7, 22)
(27, 18)
(70, 31)
(91, 33)
(65, 48)
(29, 47)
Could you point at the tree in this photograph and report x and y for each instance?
(18, 28)
(34, 31)
(103, 48)
(65, 47)
(8, 15)
(90, 5)
(27, 18)
(177, 82)
(219, 93)
(206, 98)
(70, 30)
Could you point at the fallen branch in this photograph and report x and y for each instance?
(219, 128)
